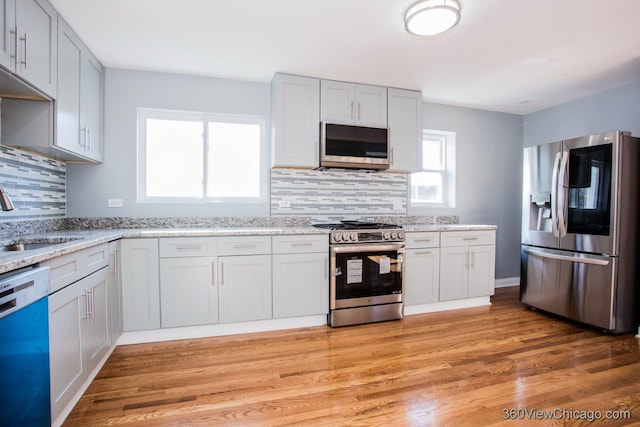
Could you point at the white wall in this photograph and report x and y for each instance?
(89, 186)
(488, 174)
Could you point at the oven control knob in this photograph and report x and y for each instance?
(400, 235)
(394, 235)
(386, 235)
(354, 237)
(337, 237)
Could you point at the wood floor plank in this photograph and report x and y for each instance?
(461, 367)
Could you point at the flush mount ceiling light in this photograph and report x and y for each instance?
(432, 17)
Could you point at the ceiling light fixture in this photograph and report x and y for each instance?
(432, 17)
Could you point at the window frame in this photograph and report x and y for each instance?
(447, 173)
(145, 114)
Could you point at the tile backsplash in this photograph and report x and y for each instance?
(333, 195)
(35, 184)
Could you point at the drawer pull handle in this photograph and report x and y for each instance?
(301, 244)
(244, 245)
(470, 238)
(424, 253)
(423, 240)
(188, 247)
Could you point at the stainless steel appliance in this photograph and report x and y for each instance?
(357, 147)
(24, 348)
(580, 230)
(367, 272)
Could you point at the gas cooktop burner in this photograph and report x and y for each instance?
(357, 225)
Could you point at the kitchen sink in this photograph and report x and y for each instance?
(30, 244)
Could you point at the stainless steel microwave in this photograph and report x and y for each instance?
(355, 147)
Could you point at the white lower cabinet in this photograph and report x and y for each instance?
(422, 267)
(114, 291)
(300, 284)
(422, 276)
(467, 264)
(245, 288)
(300, 275)
(188, 291)
(79, 335)
(140, 284)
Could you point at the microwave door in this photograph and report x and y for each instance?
(589, 195)
(539, 198)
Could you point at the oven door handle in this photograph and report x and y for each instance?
(373, 247)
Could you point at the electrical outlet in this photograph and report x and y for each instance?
(114, 203)
(284, 204)
(397, 205)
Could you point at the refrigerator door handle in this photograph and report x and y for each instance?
(582, 258)
(554, 195)
(562, 194)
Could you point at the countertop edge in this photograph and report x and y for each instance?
(10, 261)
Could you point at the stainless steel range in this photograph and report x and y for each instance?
(367, 272)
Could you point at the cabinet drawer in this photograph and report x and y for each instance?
(467, 238)
(300, 244)
(176, 247)
(70, 268)
(244, 245)
(427, 239)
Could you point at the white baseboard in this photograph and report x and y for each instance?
(219, 329)
(446, 305)
(508, 281)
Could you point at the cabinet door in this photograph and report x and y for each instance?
(140, 284)
(91, 105)
(65, 345)
(405, 129)
(188, 291)
(454, 273)
(7, 28)
(371, 106)
(482, 270)
(422, 276)
(245, 288)
(68, 100)
(95, 326)
(114, 285)
(337, 102)
(296, 121)
(37, 24)
(300, 284)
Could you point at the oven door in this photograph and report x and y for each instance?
(366, 274)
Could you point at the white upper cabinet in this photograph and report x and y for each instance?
(79, 101)
(7, 31)
(28, 43)
(296, 121)
(405, 129)
(351, 103)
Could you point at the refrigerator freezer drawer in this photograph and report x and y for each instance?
(577, 286)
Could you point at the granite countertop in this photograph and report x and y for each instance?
(448, 227)
(69, 241)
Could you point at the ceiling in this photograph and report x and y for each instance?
(510, 56)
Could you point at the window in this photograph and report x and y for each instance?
(194, 157)
(434, 186)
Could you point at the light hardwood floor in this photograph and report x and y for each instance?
(467, 367)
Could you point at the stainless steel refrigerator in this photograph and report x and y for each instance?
(579, 256)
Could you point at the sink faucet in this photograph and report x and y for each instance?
(5, 201)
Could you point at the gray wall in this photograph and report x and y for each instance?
(89, 186)
(488, 174)
(616, 109)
